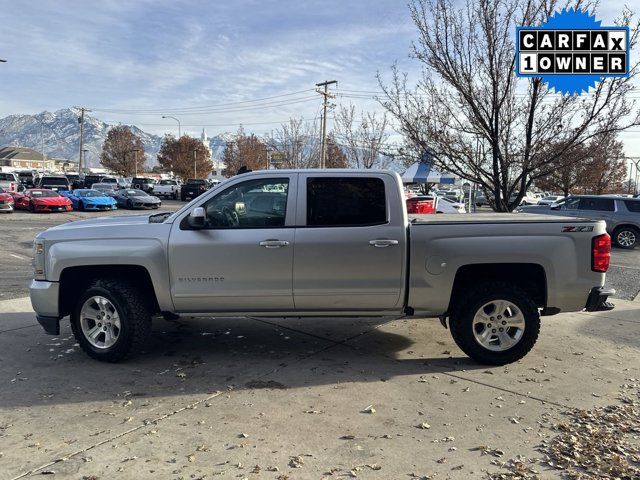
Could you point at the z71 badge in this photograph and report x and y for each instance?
(577, 228)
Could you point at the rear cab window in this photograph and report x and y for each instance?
(345, 201)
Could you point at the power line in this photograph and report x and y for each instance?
(186, 109)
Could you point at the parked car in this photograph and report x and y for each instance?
(90, 199)
(420, 204)
(192, 188)
(124, 182)
(133, 198)
(167, 188)
(6, 201)
(448, 205)
(143, 183)
(622, 215)
(296, 243)
(112, 181)
(88, 180)
(106, 188)
(550, 200)
(74, 180)
(10, 182)
(53, 182)
(41, 200)
(27, 178)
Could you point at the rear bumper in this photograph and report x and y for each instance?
(597, 301)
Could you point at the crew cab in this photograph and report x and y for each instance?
(166, 188)
(318, 243)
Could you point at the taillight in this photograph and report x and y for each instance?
(600, 253)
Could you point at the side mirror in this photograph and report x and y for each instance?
(197, 218)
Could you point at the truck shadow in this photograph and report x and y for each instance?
(200, 356)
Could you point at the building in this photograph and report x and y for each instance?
(24, 158)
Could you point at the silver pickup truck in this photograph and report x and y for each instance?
(318, 243)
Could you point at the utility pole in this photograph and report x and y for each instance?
(81, 122)
(42, 144)
(195, 167)
(325, 97)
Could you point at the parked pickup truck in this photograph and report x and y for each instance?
(192, 188)
(317, 243)
(166, 188)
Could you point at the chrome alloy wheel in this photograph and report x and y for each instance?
(626, 238)
(498, 325)
(100, 322)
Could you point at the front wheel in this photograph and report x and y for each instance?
(111, 321)
(495, 323)
(626, 237)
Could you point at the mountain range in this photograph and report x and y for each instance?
(59, 133)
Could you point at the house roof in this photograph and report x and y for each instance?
(19, 153)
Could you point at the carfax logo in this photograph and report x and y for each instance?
(572, 51)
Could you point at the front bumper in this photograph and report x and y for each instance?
(597, 301)
(96, 207)
(52, 208)
(44, 300)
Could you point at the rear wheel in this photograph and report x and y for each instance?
(111, 321)
(626, 237)
(495, 323)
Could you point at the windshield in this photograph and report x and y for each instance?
(54, 181)
(89, 193)
(43, 193)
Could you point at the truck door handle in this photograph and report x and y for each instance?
(274, 243)
(383, 243)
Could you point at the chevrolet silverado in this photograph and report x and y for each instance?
(315, 243)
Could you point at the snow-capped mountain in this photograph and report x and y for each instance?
(60, 132)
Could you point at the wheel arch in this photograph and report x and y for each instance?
(530, 277)
(74, 279)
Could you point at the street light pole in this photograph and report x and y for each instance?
(195, 167)
(169, 116)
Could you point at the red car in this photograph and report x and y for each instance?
(42, 200)
(6, 201)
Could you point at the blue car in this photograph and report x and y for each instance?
(90, 199)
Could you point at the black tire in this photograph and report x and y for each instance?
(32, 209)
(626, 237)
(470, 302)
(175, 195)
(80, 206)
(129, 204)
(135, 319)
(183, 198)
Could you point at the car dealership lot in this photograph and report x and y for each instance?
(240, 398)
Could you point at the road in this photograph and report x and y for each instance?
(18, 229)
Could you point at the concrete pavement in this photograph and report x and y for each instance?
(287, 398)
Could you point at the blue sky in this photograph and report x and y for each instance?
(161, 54)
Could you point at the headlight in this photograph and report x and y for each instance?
(38, 260)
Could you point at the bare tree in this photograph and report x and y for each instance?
(298, 144)
(363, 138)
(468, 96)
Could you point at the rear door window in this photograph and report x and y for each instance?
(334, 202)
(598, 204)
